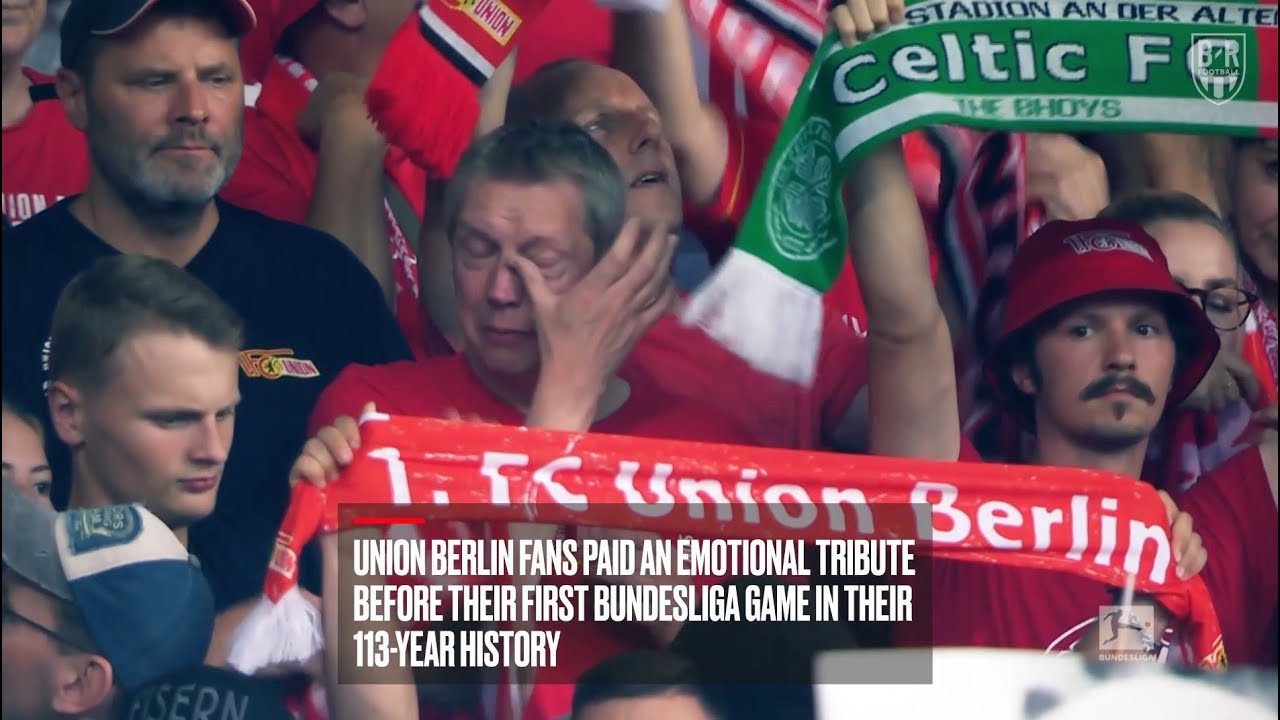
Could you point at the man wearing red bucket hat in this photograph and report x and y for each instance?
(1094, 300)
(1097, 340)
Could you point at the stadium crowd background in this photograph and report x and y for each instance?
(207, 235)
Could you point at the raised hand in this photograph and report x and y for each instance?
(1069, 179)
(338, 103)
(1188, 549)
(857, 20)
(1229, 379)
(333, 448)
(585, 333)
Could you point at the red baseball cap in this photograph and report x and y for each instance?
(1064, 262)
(86, 19)
(259, 47)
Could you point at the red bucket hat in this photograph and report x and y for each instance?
(1068, 261)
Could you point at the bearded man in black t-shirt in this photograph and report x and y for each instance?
(156, 88)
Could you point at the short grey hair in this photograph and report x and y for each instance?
(532, 153)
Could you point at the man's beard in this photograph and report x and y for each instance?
(149, 191)
(1110, 440)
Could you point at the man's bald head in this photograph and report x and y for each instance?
(618, 115)
(544, 94)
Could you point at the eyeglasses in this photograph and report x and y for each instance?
(11, 614)
(1226, 307)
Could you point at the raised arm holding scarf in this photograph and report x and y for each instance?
(1131, 76)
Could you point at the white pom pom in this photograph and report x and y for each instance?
(282, 634)
(760, 314)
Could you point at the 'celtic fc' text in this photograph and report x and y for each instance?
(997, 60)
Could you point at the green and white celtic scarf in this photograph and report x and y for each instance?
(1007, 65)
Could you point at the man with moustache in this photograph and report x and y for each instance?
(1097, 340)
(156, 87)
(1090, 365)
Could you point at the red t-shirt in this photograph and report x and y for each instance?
(998, 606)
(436, 386)
(777, 413)
(750, 141)
(277, 174)
(1233, 511)
(45, 158)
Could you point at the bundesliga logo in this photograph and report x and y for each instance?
(1127, 633)
(1217, 65)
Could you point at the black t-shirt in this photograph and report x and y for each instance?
(208, 693)
(306, 301)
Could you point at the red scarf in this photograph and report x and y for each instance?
(424, 94)
(480, 472)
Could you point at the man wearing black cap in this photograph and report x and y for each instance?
(156, 87)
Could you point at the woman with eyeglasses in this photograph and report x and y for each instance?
(1227, 412)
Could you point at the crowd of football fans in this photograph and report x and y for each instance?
(207, 236)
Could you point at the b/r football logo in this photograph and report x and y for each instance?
(1217, 63)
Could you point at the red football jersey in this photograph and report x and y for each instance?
(1235, 514)
(438, 386)
(45, 158)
